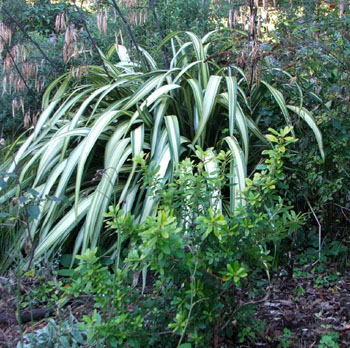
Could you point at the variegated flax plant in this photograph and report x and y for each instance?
(90, 130)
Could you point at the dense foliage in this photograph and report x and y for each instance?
(84, 140)
(178, 155)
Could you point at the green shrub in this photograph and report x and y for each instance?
(320, 51)
(176, 274)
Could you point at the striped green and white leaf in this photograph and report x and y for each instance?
(101, 124)
(309, 119)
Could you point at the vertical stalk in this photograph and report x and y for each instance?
(131, 33)
(92, 40)
(252, 38)
(319, 228)
(164, 49)
(18, 304)
(204, 27)
(192, 304)
(30, 237)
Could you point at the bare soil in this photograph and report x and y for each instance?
(298, 311)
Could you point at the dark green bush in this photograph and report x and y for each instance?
(176, 275)
(320, 48)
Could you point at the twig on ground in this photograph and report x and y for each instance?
(245, 304)
(26, 316)
(342, 211)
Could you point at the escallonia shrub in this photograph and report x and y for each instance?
(177, 274)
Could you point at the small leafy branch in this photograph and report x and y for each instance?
(23, 209)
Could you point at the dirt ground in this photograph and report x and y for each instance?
(310, 308)
(298, 312)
